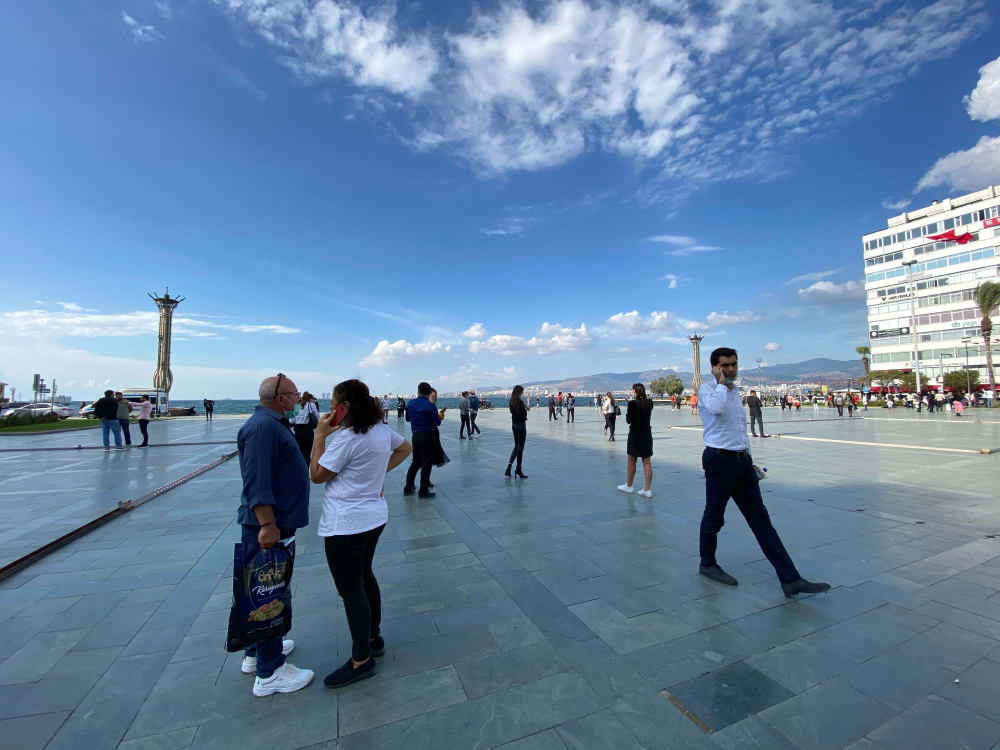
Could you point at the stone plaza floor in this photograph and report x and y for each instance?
(551, 613)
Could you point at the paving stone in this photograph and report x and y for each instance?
(692, 655)
(935, 723)
(909, 619)
(977, 689)
(827, 717)
(66, 684)
(473, 615)
(507, 669)
(547, 740)
(307, 722)
(949, 647)
(896, 679)
(31, 732)
(729, 695)
(803, 664)
(36, 657)
(190, 674)
(601, 729)
(441, 650)
(371, 704)
(190, 707)
(515, 633)
(548, 614)
(177, 740)
(752, 733)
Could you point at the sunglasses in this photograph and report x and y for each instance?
(277, 388)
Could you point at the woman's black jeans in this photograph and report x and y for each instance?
(520, 435)
(304, 434)
(609, 421)
(350, 559)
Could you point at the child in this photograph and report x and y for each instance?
(959, 407)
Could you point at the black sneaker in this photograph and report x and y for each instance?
(717, 574)
(378, 646)
(348, 674)
(802, 586)
(426, 495)
(409, 490)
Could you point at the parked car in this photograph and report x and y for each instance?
(40, 408)
(87, 411)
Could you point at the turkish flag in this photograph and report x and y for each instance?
(950, 236)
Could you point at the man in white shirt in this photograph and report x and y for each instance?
(730, 473)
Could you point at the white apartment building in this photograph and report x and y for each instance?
(902, 266)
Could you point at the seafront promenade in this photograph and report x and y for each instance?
(552, 613)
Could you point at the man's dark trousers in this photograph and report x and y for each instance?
(423, 454)
(759, 419)
(728, 476)
(472, 424)
(552, 412)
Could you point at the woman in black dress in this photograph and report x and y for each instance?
(519, 425)
(640, 439)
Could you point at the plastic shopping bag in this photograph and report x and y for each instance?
(262, 594)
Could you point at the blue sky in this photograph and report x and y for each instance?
(471, 194)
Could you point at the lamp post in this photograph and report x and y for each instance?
(760, 386)
(913, 323)
(968, 380)
(941, 365)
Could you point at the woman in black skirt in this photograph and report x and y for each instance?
(640, 439)
(519, 425)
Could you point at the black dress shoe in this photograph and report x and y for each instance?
(717, 574)
(349, 674)
(426, 495)
(802, 586)
(377, 646)
(409, 490)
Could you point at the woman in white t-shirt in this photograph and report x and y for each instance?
(353, 467)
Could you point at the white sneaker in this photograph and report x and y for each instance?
(249, 665)
(286, 679)
(645, 493)
(625, 488)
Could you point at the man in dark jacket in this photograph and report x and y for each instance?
(106, 410)
(754, 406)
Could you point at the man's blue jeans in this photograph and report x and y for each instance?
(268, 653)
(113, 426)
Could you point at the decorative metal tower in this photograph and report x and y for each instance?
(696, 346)
(163, 378)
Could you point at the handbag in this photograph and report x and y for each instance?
(262, 594)
(618, 410)
(313, 417)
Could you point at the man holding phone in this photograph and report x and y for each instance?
(731, 473)
(423, 417)
(273, 504)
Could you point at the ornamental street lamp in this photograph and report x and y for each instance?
(913, 322)
(760, 386)
(968, 380)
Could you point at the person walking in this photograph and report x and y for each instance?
(559, 403)
(352, 469)
(838, 401)
(552, 408)
(385, 408)
(106, 410)
(209, 405)
(463, 413)
(473, 413)
(731, 473)
(610, 415)
(123, 412)
(423, 418)
(754, 405)
(850, 406)
(304, 421)
(640, 440)
(694, 403)
(273, 504)
(570, 408)
(519, 426)
(145, 409)
(400, 407)
(815, 401)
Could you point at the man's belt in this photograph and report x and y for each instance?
(734, 454)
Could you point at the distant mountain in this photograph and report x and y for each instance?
(812, 370)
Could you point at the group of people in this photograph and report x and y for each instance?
(115, 411)
(556, 403)
(353, 449)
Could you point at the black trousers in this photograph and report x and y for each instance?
(552, 413)
(125, 433)
(423, 456)
(520, 435)
(143, 428)
(760, 420)
(472, 423)
(350, 559)
(840, 411)
(304, 437)
(466, 424)
(399, 412)
(609, 423)
(731, 477)
(571, 414)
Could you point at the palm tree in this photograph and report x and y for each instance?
(864, 351)
(987, 300)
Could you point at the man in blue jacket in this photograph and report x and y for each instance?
(423, 418)
(473, 413)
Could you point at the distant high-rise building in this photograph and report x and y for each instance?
(906, 264)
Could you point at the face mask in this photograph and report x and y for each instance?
(729, 381)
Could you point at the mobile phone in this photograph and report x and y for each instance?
(338, 414)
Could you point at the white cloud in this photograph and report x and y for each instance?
(673, 280)
(966, 170)
(772, 347)
(507, 226)
(385, 353)
(725, 318)
(695, 92)
(475, 331)
(75, 321)
(980, 165)
(165, 10)
(559, 339)
(814, 276)
(634, 324)
(892, 205)
(694, 325)
(828, 293)
(683, 246)
(674, 239)
(984, 102)
(141, 33)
